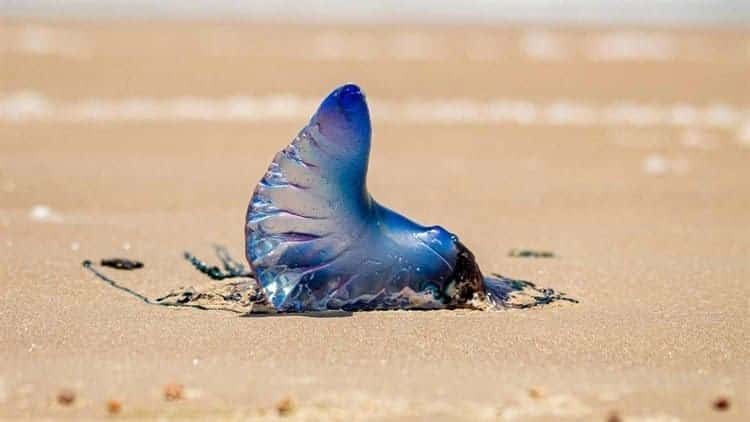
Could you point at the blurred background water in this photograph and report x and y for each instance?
(666, 81)
(650, 12)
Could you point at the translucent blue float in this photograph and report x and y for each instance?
(317, 240)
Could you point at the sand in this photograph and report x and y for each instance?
(649, 221)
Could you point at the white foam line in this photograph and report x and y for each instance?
(631, 45)
(29, 106)
(38, 40)
(543, 45)
(569, 113)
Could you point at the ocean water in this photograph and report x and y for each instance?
(29, 106)
(647, 12)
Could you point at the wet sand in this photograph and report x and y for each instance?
(649, 222)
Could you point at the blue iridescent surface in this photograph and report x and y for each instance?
(317, 240)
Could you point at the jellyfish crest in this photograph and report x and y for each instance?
(312, 201)
(343, 120)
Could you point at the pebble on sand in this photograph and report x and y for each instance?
(535, 393)
(114, 407)
(614, 417)
(174, 391)
(66, 397)
(286, 406)
(721, 404)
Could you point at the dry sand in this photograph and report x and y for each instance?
(650, 224)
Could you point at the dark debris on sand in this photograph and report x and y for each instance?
(174, 391)
(66, 397)
(614, 417)
(121, 263)
(721, 404)
(530, 253)
(114, 407)
(286, 407)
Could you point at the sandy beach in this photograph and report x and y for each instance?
(625, 151)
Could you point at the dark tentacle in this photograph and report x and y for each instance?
(158, 302)
(90, 266)
(231, 265)
(232, 268)
(522, 294)
(191, 297)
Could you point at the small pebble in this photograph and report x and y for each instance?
(721, 404)
(535, 393)
(174, 391)
(286, 406)
(114, 407)
(614, 417)
(66, 397)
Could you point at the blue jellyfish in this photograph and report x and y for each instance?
(317, 240)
